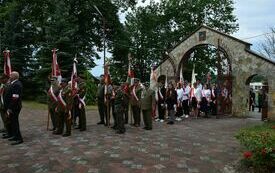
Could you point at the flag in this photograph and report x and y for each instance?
(74, 77)
(193, 80)
(107, 77)
(55, 68)
(7, 63)
(131, 74)
(181, 76)
(153, 79)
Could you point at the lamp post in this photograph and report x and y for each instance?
(104, 34)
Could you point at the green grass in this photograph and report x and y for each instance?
(39, 106)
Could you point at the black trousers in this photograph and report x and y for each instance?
(15, 125)
(82, 118)
(100, 104)
(161, 110)
(126, 114)
(120, 121)
(53, 117)
(185, 107)
(136, 114)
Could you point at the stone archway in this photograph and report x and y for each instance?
(244, 63)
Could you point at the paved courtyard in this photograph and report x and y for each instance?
(191, 146)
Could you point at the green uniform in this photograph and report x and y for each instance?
(81, 105)
(120, 103)
(147, 99)
(100, 102)
(135, 96)
(52, 103)
(63, 111)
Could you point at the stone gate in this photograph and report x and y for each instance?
(244, 63)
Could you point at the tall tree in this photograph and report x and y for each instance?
(156, 28)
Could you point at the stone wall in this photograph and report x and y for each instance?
(244, 64)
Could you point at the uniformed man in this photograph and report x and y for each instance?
(3, 90)
(120, 104)
(52, 101)
(127, 92)
(147, 101)
(100, 100)
(13, 105)
(135, 96)
(63, 109)
(81, 103)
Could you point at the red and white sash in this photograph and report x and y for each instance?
(82, 100)
(61, 100)
(52, 95)
(134, 93)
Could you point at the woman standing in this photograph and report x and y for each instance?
(171, 101)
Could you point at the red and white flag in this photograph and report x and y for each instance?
(7, 63)
(131, 74)
(55, 68)
(74, 78)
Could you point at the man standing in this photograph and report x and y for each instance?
(13, 105)
(100, 99)
(147, 100)
(120, 103)
(135, 102)
(81, 104)
(52, 101)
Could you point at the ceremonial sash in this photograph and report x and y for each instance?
(1, 94)
(82, 100)
(52, 95)
(61, 100)
(134, 93)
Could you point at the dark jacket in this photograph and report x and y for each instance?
(13, 97)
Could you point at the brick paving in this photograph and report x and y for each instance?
(190, 146)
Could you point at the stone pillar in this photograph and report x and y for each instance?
(271, 104)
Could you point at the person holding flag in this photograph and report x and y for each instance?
(53, 91)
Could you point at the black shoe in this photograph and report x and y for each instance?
(57, 133)
(3, 131)
(12, 139)
(147, 128)
(120, 132)
(53, 129)
(170, 122)
(17, 142)
(100, 122)
(82, 130)
(6, 137)
(66, 135)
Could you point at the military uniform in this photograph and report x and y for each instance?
(52, 102)
(120, 103)
(135, 103)
(63, 110)
(147, 99)
(81, 105)
(100, 102)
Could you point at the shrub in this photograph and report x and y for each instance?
(259, 147)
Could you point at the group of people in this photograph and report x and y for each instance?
(66, 103)
(117, 98)
(186, 100)
(10, 107)
(175, 103)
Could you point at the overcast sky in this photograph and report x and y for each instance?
(255, 17)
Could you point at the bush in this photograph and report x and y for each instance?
(259, 147)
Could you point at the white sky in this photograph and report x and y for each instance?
(255, 17)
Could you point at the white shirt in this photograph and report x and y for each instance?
(179, 94)
(207, 94)
(186, 93)
(197, 93)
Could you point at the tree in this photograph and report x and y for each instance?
(156, 28)
(268, 46)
